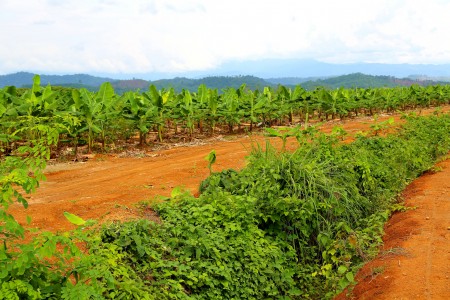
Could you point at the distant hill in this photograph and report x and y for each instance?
(293, 80)
(180, 83)
(275, 68)
(355, 80)
(23, 79)
(365, 81)
(215, 82)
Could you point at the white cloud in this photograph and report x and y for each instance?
(139, 36)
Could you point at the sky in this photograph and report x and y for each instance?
(145, 36)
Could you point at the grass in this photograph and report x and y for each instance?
(395, 251)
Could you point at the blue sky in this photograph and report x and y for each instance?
(143, 36)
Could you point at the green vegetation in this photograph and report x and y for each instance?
(288, 226)
(103, 118)
(216, 82)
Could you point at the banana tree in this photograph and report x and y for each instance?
(326, 102)
(390, 99)
(346, 103)
(160, 100)
(36, 106)
(404, 97)
(273, 107)
(9, 101)
(200, 101)
(373, 101)
(91, 113)
(248, 101)
(187, 110)
(141, 112)
(292, 100)
(38, 101)
(212, 106)
(416, 97)
(8, 113)
(229, 108)
(111, 109)
(442, 94)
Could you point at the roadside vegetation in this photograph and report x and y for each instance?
(290, 225)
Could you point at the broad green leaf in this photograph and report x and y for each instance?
(202, 93)
(166, 96)
(187, 98)
(95, 128)
(342, 269)
(2, 109)
(211, 157)
(155, 97)
(176, 192)
(74, 219)
(76, 98)
(273, 132)
(105, 93)
(295, 291)
(36, 84)
(350, 277)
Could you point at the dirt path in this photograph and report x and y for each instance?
(415, 260)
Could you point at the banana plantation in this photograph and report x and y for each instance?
(98, 119)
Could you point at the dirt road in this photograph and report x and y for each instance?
(414, 262)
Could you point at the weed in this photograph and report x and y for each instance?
(396, 251)
(375, 271)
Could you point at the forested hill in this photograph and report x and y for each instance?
(354, 80)
(218, 82)
(24, 79)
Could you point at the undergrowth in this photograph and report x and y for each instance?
(288, 226)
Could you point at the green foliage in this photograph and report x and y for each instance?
(74, 219)
(288, 226)
(329, 202)
(104, 117)
(211, 159)
(38, 269)
(223, 251)
(283, 133)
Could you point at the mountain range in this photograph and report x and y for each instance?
(308, 73)
(268, 68)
